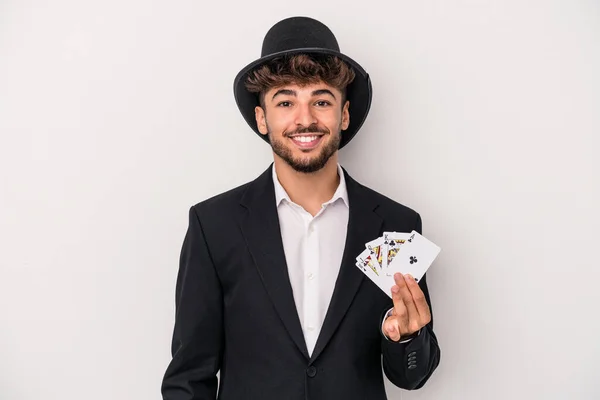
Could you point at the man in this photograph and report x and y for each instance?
(267, 291)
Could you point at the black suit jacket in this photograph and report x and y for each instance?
(235, 311)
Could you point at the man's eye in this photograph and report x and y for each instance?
(284, 104)
(322, 103)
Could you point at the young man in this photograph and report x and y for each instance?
(267, 290)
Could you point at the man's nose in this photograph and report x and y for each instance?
(305, 116)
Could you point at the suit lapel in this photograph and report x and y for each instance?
(363, 225)
(263, 237)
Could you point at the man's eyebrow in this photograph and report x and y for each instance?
(323, 91)
(287, 92)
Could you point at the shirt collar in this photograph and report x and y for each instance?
(340, 193)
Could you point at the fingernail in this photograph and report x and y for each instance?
(395, 289)
(390, 328)
(397, 275)
(409, 276)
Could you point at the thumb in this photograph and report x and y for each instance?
(391, 330)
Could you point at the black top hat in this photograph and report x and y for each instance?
(303, 35)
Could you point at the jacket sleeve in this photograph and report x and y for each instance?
(198, 334)
(409, 365)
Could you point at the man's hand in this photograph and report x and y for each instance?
(411, 311)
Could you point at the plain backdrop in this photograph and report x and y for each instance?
(117, 116)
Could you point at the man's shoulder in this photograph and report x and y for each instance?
(388, 208)
(230, 200)
(387, 204)
(223, 201)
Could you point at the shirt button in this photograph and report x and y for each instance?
(311, 229)
(311, 328)
(311, 276)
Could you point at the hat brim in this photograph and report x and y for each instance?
(359, 92)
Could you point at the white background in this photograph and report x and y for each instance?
(117, 116)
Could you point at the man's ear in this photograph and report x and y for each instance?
(261, 121)
(345, 116)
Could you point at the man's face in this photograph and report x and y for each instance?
(304, 123)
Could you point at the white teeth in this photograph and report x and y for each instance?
(305, 139)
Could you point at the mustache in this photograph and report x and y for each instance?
(314, 128)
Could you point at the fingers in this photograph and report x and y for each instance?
(411, 311)
(419, 300)
(391, 329)
(399, 316)
(401, 295)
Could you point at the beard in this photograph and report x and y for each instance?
(308, 164)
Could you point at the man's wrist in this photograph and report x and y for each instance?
(410, 337)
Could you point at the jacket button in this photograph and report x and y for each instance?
(412, 366)
(311, 371)
(412, 353)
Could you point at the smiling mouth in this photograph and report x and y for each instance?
(307, 141)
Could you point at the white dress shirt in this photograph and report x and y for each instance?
(313, 249)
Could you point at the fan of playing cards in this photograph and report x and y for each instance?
(407, 253)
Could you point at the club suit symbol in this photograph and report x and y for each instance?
(413, 259)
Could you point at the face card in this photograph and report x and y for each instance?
(367, 261)
(383, 282)
(367, 271)
(392, 242)
(370, 268)
(416, 256)
(375, 248)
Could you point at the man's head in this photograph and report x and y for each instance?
(303, 107)
(304, 52)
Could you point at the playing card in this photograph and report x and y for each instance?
(415, 257)
(365, 260)
(392, 242)
(375, 248)
(371, 268)
(382, 281)
(367, 271)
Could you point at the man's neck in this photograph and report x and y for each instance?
(309, 191)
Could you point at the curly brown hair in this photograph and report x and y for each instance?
(300, 69)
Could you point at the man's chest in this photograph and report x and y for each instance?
(313, 247)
